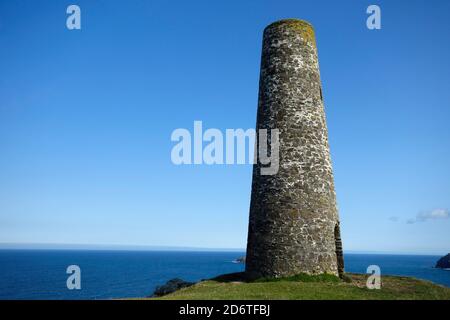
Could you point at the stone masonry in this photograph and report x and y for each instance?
(294, 223)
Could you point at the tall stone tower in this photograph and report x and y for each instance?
(294, 223)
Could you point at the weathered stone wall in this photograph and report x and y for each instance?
(294, 223)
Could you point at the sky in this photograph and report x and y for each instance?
(86, 118)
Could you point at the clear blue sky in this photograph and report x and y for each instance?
(86, 118)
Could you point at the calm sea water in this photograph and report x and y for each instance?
(41, 274)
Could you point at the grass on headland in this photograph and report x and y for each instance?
(305, 287)
(303, 277)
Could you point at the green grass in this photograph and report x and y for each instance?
(229, 287)
(302, 277)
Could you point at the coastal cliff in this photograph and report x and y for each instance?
(444, 262)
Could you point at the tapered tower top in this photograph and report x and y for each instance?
(301, 27)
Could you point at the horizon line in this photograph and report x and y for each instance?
(133, 247)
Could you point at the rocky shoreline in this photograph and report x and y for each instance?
(444, 262)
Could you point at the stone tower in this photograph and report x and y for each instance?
(294, 223)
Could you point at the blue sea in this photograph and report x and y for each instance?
(41, 274)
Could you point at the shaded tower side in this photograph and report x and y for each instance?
(294, 223)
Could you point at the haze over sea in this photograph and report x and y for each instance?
(105, 274)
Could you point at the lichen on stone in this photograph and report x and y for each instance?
(302, 27)
(294, 223)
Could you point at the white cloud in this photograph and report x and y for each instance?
(430, 215)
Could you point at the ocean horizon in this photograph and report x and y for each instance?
(110, 274)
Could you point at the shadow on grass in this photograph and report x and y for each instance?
(302, 277)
